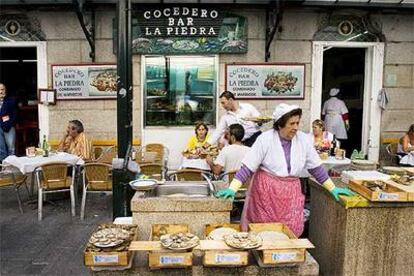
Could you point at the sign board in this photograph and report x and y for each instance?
(186, 30)
(280, 81)
(46, 96)
(84, 81)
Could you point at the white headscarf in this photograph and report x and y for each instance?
(333, 92)
(283, 109)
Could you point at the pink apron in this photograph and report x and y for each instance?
(272, 198)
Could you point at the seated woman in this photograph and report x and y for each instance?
(406, 148)
(200, 138)
(75, 142)
(322, 139)
(406, 144)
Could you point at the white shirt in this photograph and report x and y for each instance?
(230, 117)
(333, 109)
(267, 153)
(230, 157)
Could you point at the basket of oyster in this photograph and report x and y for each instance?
(179, 241)
(243, 240)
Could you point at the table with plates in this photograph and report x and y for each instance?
(27, 165)
(200, 164)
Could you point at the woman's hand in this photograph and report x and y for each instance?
(226, 193)
(336, 191)
(341, 191)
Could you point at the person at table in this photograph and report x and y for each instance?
(199, 138)
(320, 137)
(276, 159)
(336, 116)
(230, 157)
(7, 123)
(234, 114)
(74, 141)
(406, 143)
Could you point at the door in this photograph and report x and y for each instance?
(18, 71)
(372, 84)
(344, 69)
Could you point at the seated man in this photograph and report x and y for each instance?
(230, 157)
(75, 142)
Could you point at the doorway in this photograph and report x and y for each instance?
(344, 68)
(18, 72)
(373, 81)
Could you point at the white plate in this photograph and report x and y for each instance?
(219, 233)
(143, 184)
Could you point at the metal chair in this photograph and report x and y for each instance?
(158, 148)
(53, 178)
(13, 177)
(187, 175)
(392, 152)
(107, 155)
(96, 177)
(153, 170)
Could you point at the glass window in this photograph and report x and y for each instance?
(179, 90)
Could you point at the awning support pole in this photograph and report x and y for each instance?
(88, 31)
(273, 18)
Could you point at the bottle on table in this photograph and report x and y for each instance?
(45, 147)
(333, 146)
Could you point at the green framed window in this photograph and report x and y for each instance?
(179, 90)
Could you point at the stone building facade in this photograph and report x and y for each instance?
(293, 43)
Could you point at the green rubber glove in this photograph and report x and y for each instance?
(341, 191)
(226, 193)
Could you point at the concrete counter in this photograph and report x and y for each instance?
(195, 212)
(374, 240)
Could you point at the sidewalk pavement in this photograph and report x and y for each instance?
(53, 246)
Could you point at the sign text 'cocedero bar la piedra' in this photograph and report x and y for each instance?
(180, 21)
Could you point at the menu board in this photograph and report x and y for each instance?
(283, 81)
(84, 81)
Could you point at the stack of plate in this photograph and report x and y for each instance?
(271, 236)
(363, 175)
(219, 233)
(393, 170)
(363, 165)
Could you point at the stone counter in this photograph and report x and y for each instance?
(196, 212)
(374, 240)
(140, 267)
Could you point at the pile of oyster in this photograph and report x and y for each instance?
(375, 186)
(243, 240)
(405, 180)
(179, 241)
(111, 238)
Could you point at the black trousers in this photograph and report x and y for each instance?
(250, 141)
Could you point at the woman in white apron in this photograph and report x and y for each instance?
(336, 115)
(277, 158)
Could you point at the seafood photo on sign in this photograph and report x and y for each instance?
(283, 82)
(280, 82)
(102, 82)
